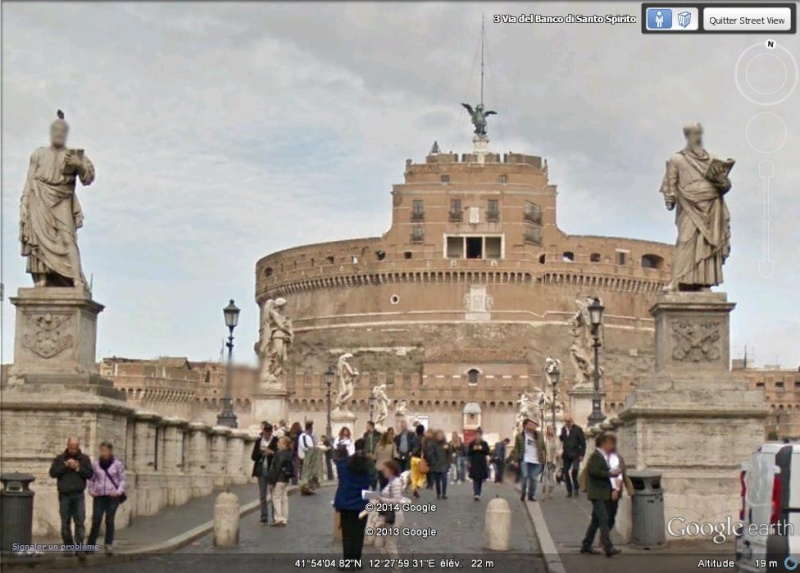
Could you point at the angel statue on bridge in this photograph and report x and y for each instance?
(347, 379)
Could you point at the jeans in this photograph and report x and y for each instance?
(530, 472)
(572, 467)
(103, 504)
(477, 487)
(264, 496)
(461, 468)
(440, 479)
(352, 533)
(72, 506)
(600, 520)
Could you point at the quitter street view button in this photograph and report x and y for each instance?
(747, 19)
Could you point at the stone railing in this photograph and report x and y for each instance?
(167, 461)
(173, 461)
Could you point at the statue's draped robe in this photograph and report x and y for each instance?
(51, 213)
(702, 219)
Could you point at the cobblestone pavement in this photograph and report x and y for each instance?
(567, 520)
(307, 542)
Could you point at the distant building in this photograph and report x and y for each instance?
(461, 300)
(178, 387)
(782, 390)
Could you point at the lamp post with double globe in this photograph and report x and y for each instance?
(227, 417)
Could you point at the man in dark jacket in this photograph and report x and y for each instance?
(406, 442)
(263, 451)
(573, 443)
(371, 438)
(499, 459)
(72, 468)
(598, 490)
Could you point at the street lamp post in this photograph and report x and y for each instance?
(329, 375)
(596, 318)
(371, 407)
(555, 376)
(227, 417)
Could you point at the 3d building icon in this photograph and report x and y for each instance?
(684, 19)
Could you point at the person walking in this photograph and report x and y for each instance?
(458, 452)
(295, 431)
(478, 462)
(599, 491)
(550, 468)
(107, 488)
(354, 477)
(438, 463)
(427, 441)
(280, 474)
(384, 452)
(499, 459)
(405, 446)
(327, 444)
(72, 469)
(530, 454)
(391, 494)
(264, 449)
(619, 484)
(418, 464)
(573, 449)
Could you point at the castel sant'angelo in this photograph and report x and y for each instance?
(459, 303)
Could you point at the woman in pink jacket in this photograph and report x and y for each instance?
(107, 488)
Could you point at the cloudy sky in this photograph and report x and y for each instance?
(223, 132)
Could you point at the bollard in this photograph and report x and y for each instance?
(497, 528)
(226, 520)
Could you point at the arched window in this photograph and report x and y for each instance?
(568, 256)
(652, 262)
(472, 376)
(541, 259)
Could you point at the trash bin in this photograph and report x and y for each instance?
(647, 511)
(16, 511)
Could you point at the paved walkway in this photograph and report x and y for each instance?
(565, 521)
(307, 542)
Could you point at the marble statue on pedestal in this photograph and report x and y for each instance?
(381, 406)
(347, 375)
(523, 411)
(50, 213)
(695, 185)
(581, 351)
(276, 339)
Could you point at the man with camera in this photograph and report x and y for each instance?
(72, 469)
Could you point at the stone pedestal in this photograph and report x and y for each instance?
(341, 419)
(201, 482)
(480, 147)
(692, 399)
(270, 404)
(580, 397)
(56, 334)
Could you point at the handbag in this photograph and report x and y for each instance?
(423, 466)
(123, 497)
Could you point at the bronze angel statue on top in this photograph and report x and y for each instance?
(478, 116)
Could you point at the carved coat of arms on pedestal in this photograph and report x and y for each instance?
(48, 334)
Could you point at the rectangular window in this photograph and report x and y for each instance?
(504, 179)
(493, 247)
(455, 247)
(456, 213)
(779, 385)
(493, 211)
(445, 179)
(533, 235)
(417, 234)
(418, 210)
(622, 258)
(474, 247)
(533, 212)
